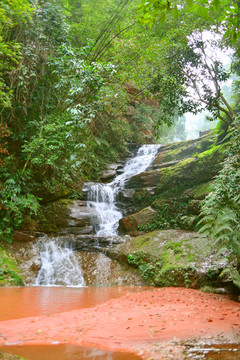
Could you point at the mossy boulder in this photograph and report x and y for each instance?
(184, 149)
(201, 191)
(172, 258)
(9, 271)
(130, 224)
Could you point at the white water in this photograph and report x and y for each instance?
(102, 197)
(59, 265)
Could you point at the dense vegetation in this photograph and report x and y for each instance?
(80, 79)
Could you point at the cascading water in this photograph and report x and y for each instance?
(102, 197)
(59, 265)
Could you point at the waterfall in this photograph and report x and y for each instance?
(59, 265)
(102, 197)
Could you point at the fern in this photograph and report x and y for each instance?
(221, 210)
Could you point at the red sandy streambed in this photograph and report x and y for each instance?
(134, 322)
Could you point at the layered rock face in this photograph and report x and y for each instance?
(173, 188)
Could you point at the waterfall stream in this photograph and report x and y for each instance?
(102, 197)
(59, 265)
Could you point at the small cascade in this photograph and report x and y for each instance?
(59, 265)
(102, 197)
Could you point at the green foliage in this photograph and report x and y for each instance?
(160, 222)
(226, 13)
(221, 209)
(147, 266)
(169, 211)
(12, 14)
(15, 205)
(143, 119)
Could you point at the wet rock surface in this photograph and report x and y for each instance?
(28, 259)
(99, 270)
(174, 258)
(90, 242)
(213, 348)
(89, 250)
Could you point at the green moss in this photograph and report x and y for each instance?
(174, 201)
(166, 258)
(65, 202)
(9, 272)
(172, 275)
(175, 246)
(179, 188)
(143, 242)
(192, 171)
(202, 190)
(189, 148)
(219, 149)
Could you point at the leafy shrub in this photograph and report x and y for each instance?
(14, 205)
(221, 209)
(147, 266)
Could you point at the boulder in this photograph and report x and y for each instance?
(91, 242)
(173, 258)
(130, 224)
(165, 164)
(114, 166)
(78, 231)
(28, 259)
(145, 179)
(111, 172)
(79, 214)
(108, 175)
(201, 191)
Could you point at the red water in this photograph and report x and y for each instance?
(128, 319)
(16, 303)
(67, 352)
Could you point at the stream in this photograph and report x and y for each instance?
(62, 282)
